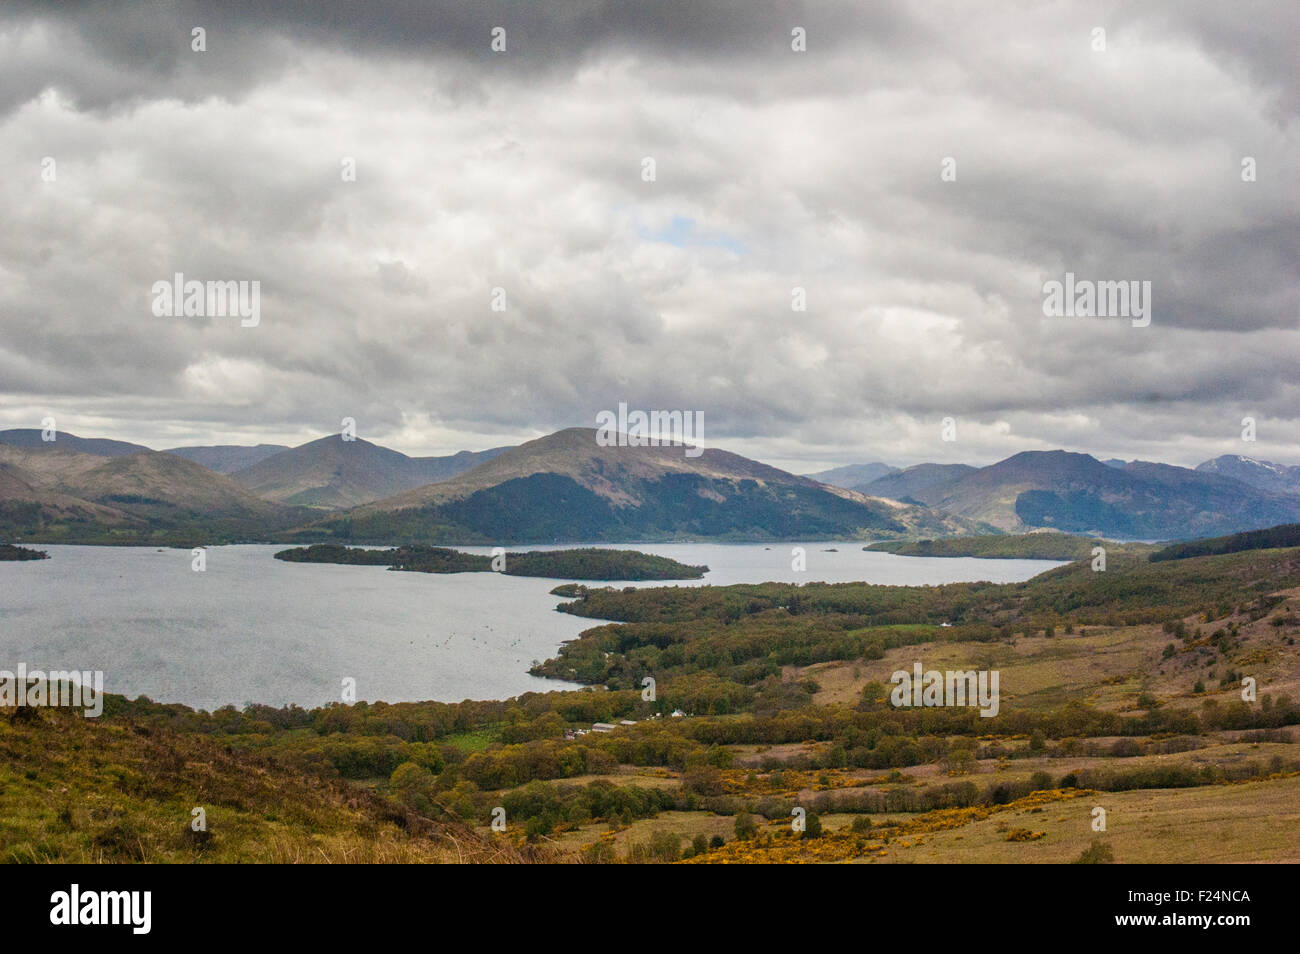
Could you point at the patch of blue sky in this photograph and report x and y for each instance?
(683, 233)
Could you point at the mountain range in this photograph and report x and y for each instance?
(1077, 493)
(567, 487)
(335, 474)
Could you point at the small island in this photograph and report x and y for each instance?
(588, 563)
(9, 551)
(1008, 546)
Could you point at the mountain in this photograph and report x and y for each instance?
(29, 438)
(911, 482)
(853, 476)
(54, 494)
(26, 511)
(566, 487)
(332, 473)
(227, 458)
(165, 486)
(1077, 493)
(1260, 474)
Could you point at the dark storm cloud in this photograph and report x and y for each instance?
(105, 53)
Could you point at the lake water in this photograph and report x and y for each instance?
(251, 628)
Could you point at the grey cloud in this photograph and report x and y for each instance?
(819, 170)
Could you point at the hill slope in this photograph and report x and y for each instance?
(566, 487)
(256, 809)
(334, 473)
(227, 458)
(1287, 535)
(27, 512)
(61, 494)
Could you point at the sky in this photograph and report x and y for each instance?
(461, 247)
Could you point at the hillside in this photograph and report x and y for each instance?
(116, 789)
(31, 507)
(565, 487)
(60, 494)
(1077, 493)
(332, 473)
(1274, 537)
(163, 485)
(227, 458)
(29, 438)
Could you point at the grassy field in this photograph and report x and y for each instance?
(1108, 666)
(1223, 824)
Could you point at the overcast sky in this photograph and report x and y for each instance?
(774, 169)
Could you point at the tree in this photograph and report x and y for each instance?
(746, 828)
(412, 784)
(812, 826)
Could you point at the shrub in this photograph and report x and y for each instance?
(599, 853)
(665, 846)
(1098, 853)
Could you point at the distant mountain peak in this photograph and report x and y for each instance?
(1261, 474)
(853, 476)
